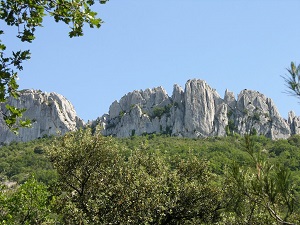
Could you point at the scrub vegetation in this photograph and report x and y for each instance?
(85, 178)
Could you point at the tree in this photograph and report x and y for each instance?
(30, 203)
(26, 16)
(99, 184)
(292, 80)
(262, 193)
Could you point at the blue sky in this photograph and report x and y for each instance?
(144, 44)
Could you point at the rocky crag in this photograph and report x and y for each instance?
(196, 111)
(50, 113)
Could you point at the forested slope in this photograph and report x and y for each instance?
(153, 179)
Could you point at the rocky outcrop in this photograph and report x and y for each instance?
(137, 113)
(197, 111)
(204, 110)
(256, 113)
(294, 122)
(50, 113)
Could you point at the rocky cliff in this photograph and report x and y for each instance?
(196, 111)
(50, 114)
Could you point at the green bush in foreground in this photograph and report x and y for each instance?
(29, 204)
(100, 186)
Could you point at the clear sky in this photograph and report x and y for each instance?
(233, 44)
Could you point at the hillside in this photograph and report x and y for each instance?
(142, 174)
(19, 160)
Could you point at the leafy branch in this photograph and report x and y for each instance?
(292, 80)
(26, 16)
(263, 186)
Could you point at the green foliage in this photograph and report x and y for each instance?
(121, 114)
(26, 16)
(132, 133)
(157, 179)
(294, 140)
(229, 113)
(100, 185)
(28, 204)
(218, 151)
(159, 111)
(256, 116)
(21, 160)
(292, 80)
(8, 85)
(253, 131)
(11, 118)
(230, 128)
(261, 193)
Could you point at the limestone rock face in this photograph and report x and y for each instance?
(294, 122)
(137, 113)
(230, 99)
(202, 108)
(177, 111)
(50, 113)
(196, 111)
(255, 112)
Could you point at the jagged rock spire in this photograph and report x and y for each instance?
(197, 111)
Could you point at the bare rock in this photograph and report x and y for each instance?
(229, 99)
(138, 112)
(197, 111)
(177, 111)
(50, 113)
(257, 113)
(201, 105)
(294, 122)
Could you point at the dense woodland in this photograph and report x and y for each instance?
(85, 178)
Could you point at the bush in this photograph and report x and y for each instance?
(101, 186)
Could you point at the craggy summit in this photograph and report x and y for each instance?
(195, 111)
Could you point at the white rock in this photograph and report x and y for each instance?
(50, 113)
(197, 111)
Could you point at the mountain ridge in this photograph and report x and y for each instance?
(195, 111)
